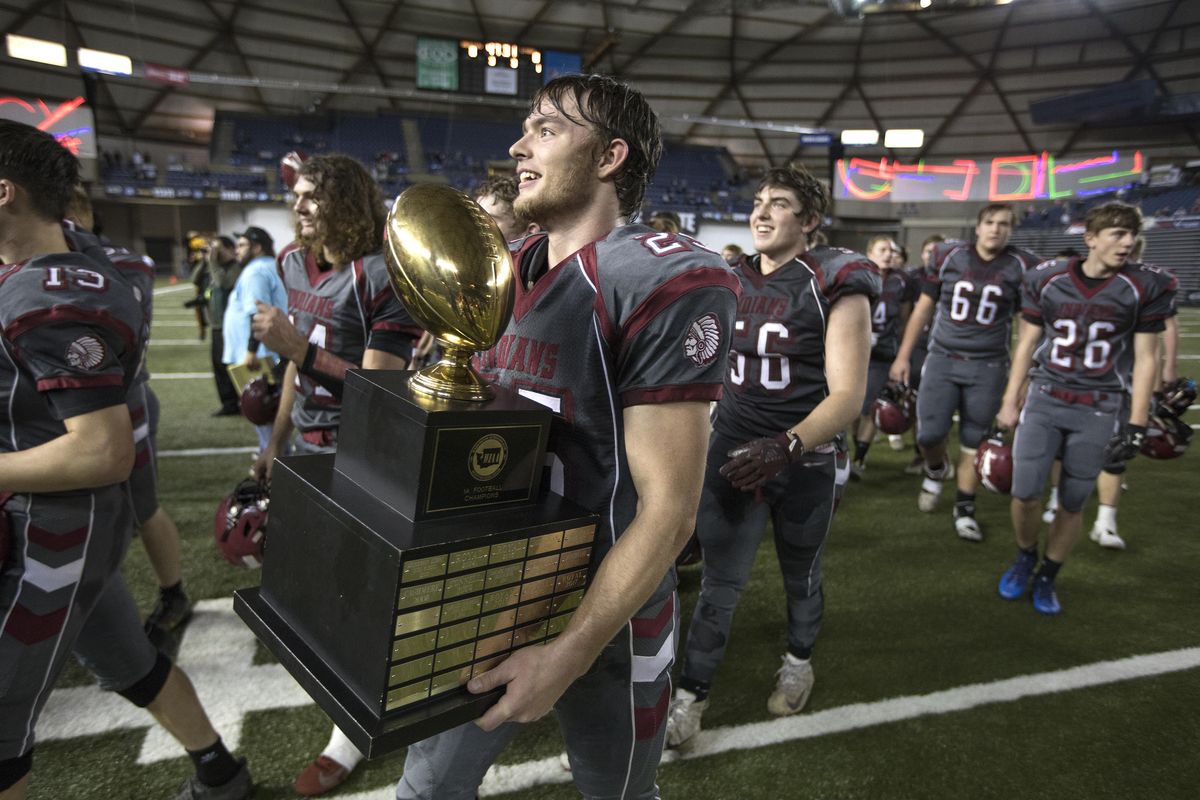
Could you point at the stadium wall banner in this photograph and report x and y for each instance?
(999, 180)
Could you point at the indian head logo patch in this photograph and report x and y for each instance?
(86, 352)
(703, 340)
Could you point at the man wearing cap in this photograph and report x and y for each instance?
(259, 281)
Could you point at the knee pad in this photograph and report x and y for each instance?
(142, 693)
(1117, 468)
(1073, 493)
(13, 769)
(970, 434)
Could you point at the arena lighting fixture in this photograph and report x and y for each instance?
(859, 137)
(100, 61)
(39, 50)
(903, 137)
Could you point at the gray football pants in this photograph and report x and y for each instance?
(799, 502)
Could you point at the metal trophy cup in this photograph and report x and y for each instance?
(425, 550)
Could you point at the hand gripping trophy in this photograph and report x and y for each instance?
(426, 549)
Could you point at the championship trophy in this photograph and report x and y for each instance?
(425, 550)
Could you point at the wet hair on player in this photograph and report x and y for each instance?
(812, 194)
(505, 189)
(614, 110)
(995, 208)
(352, 212)
(1114, 214)
(35, 161)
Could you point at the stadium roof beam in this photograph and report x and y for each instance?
(534, 20)
(656, 38)
(368, 55)
(817, 24)
(849, 86)
(196, 58)
(100, 81)
(27, 15)
(985, 75)
(483, 31)
(982, 71)
(1142, 61)
(762, 142)
(227, 29)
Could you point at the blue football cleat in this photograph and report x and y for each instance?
(1045, 599)
(1015, 579)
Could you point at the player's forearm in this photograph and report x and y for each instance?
(626, 578)
(325, 368)
(1170, 350)
(831, 416)
(83, 458)
(1145, 372)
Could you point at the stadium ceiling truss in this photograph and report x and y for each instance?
(744, 74)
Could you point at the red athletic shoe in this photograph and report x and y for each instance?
(320, 776)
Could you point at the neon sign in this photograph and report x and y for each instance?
(1003, 179)
(69, 120)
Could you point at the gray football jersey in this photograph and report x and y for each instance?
(637, 317)
(1088, 326)
(345, 312)
(72, 336)
(976, 300)
(776, 370)
(885, 314)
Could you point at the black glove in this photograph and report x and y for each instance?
(196, 302)
(757, 461)
(1125, 445)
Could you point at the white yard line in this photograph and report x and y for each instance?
(194, 342)
(179, 287)
(179, 376)
(206, 451)
(517, 777)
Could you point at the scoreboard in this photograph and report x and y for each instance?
(489, 68)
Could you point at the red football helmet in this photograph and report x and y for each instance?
(260, 401)
(1166, 437)
(894, 409)
(240, 526)
(289, 167)
(994, 463)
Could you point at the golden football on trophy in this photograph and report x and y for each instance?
(450, 265)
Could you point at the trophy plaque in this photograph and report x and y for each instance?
(425, 550)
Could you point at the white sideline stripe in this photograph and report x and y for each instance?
(206, 451)
(518, 777)
(194, 342)
(180, 376)
(1188, 358)
(179, 287)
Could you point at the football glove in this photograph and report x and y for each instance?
(757, 461)
(1126, 444)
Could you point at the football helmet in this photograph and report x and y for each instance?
(994, 462)
(894, 409)
(289, 167)
(260, 401)
(1166, 437)
(1176, 397)
(240, 526)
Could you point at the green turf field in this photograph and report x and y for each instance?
(911, 613)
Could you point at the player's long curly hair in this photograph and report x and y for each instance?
(615, 111)
(351, 214)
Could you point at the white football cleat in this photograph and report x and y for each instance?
(792, 688)
(683, 720)
(1107, 538)
(967, 528)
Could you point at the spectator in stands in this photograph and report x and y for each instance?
(496, 196)
(665, 222)
(259, 282)
(731, 253)
(221, 271)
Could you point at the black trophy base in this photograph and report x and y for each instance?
(373, 735)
